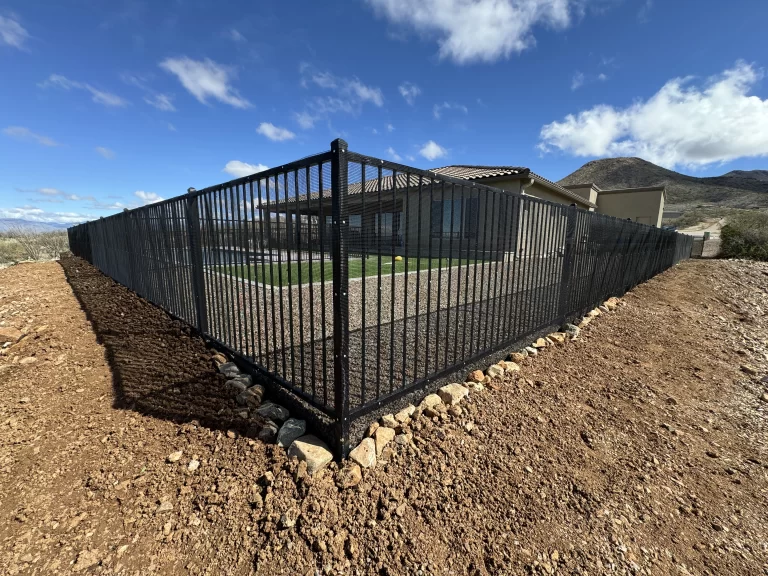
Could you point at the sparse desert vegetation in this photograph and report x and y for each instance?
(18, 244)
(745, 236)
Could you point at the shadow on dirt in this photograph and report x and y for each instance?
(159, 366)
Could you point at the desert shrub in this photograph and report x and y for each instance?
(745, 236)
(20, 243)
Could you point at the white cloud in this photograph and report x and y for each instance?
(681, 125)
(432, 151)
(305, 120)
(206, 79)
(161, 102)
(106, 152)
(12, 33)
(438, 109)
(35, 214)
(239, 169)
(236, 36)
(602, 77)
(275, 133)
(24, 133)
(478, 30)
(54, 195)
(393, 154)
(147, 197)
(350, 94)
(390, 128)
(409, 91)
(99, 96)
(577, 81)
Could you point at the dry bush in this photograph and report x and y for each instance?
(745, 236)
(20, 243)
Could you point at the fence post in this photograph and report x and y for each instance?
(570, 247)
(339, 254)
(196, 253)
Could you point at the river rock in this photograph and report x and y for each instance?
(313, 451)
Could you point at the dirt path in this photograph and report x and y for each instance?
(642, 448)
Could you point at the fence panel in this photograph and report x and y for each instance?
(347, 282)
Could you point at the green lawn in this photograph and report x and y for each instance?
(271, 273)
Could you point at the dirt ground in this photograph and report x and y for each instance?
(641, 448)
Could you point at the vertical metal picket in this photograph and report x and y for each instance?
(196, 252)
(340, 255)
(565, 280)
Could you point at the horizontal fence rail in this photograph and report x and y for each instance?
(347, 282)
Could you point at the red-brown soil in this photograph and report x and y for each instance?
(641, 448)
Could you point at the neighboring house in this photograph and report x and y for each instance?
(455, 220)
(643, 205)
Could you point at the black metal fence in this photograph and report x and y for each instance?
(347, 282)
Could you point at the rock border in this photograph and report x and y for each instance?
(391, 429)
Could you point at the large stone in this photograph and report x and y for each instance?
(292, 429)
(531, 350)
(557, 337)
(585, 321)
(273, 411)
(572, 330)
(594, 313)
(495, 371)
(389, 421)
(540, 343)
(365, 453)
(251, 397)
(229, 369)
(430, 401)
(453, 393)
(313, 451)
(510, 367)
(237, 385)
(268, 433)
(9, 334)
(476, 376)
(518, 357)
(382, 437)
(603, 309)
(405, 414)
(245, 379)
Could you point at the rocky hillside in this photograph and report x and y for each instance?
(738, 189)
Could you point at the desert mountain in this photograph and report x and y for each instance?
(738, 189)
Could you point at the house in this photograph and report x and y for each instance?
(415, 215)
(643, 205)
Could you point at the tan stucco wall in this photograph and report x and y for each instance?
(643, 206)
(586, 191)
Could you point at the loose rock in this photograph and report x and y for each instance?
(268, 433)
(365, 453)
(349, 476)
(430, 401)
(272, 411)
(540, 343)
(175, 456)
(453, 393)
(382, 437)
(476, 376)
(292, 429)
(229, 369)
(405, 414)
(313, 451)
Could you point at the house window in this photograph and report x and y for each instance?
(455, 218)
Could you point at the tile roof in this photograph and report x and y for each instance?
(462, 172)
(467, 172)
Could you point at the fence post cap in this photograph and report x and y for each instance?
(339, 144)
(191, 190)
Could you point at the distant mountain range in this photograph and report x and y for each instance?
(7, 224)
(736, 189)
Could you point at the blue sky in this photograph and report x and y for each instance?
(111, 104)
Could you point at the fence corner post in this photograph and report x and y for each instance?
(570, 248)
(196, 253)
(339, 254)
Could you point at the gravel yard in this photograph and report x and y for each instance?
(641, 448)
